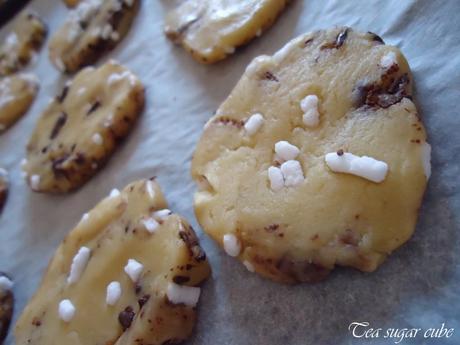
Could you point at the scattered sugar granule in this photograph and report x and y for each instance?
(365, 167)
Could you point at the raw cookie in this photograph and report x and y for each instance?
(4, 182)
(210, 30)
(126, 274)
(266, 192)
(22, 43)
(6, 305)
(81, 127)
(17, 92)
(91, 29)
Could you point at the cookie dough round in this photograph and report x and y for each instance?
(210, 30)
(4, 183)
(22, 43)
(81, 127)
(91, 29)
(268, 163)
(17, 92)
(126, 274)
(6, 305)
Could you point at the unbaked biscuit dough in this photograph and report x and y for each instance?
(126, 274)
(17, 92)
(80, 129)
(210, 30)
(266, 193)
(91, 29)
(22, 43)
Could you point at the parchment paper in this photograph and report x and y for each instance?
(418, 286)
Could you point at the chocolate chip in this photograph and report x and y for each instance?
(181, 279)
(176, 35)
(396, 92)
(126, 318)
(198, 253)
(270, 76)
(191, 241)
(80, 158)
(83, 24)
(376, 38)
(61, 97)
(23, 60)
(307, 42)
(144, 299)
(272, 227)
(230, 121)
(341, 37)
(93, 107)
(339, 40)
(56, 166)
(60, 122)
(350, 237)
(382, 94)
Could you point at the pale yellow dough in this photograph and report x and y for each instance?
(210, 30)
(80, 129)
(17, 92)
(300, 233)
(114, 232)
(91, 29)
(22, 43)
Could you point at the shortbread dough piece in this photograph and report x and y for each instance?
(17, 92)
(210, 30)
(91, 29)
(151, 274)
(72, 3)
(6, 305)
(4, 183)
(80, 128)
(22, 43)
(295, 221)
